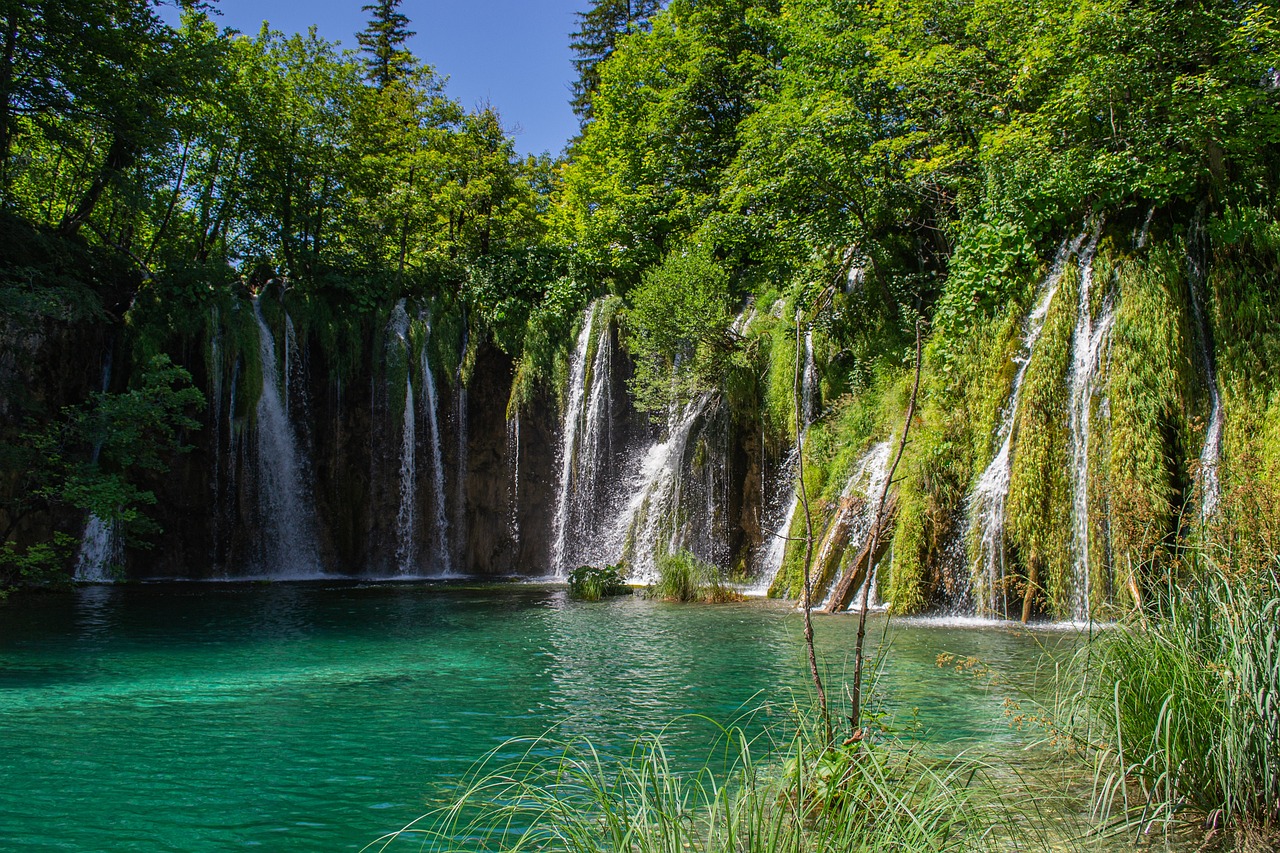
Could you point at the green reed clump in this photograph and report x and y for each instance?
(1180, 710)
(683, 577)
(592, 583)
(568, 796)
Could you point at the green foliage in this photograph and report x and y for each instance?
(95, 458)
(1039, 504)
(39, 564)
(592, 583)
(598, 33)
(645, 172)
(1150, 384)
(383, 39)
(1177, 708)
(678, 324)
(683, 577)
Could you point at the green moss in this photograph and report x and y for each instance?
(1039, 502)
(1150, 384)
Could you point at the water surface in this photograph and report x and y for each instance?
(203, 717)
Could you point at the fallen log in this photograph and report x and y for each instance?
(864, 560)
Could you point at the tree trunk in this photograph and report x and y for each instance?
(6, 98)
(876, 546)
(120, 156)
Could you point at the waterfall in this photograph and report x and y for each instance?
(1210, 488)
(101, 551)
(406, 514)
(650, 523)
(464, 446)
(440, 523)
(866, 483)
(513, 479)
(289, 527)
(1090, 341)
(986, 505)
(775, 547)
(584, 446)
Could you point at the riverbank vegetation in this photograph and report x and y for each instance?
(1176, 710)
(797, 795)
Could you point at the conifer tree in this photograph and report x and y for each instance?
(384, 41)
(598, 31)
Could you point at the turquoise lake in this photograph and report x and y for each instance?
(201, 717)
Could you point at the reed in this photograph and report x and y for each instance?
(1179, 710)
(683, 577)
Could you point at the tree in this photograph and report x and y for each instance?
(648, 169)
(384, 41)
(599, 29)
(95, 457)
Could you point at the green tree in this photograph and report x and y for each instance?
(599, 29)
(95, 458)
(383, 40)
(648, 169)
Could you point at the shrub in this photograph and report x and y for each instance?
(592, 583)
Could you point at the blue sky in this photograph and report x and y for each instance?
(513, 54)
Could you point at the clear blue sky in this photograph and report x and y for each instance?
(513, 54)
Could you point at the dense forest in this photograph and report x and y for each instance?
(1073, 203)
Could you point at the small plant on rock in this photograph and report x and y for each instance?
(592, 583)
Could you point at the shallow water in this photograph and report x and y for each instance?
(315, 716)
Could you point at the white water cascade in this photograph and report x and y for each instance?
(462, 462)
(513, 479)
(1088, 347)
(651, 523)
(866, 482)
(407, 512)
(986, 504)
(289, 527)
(584, 446)
(101, 551)
(775, 547)
(440, 522)
(1210, 487)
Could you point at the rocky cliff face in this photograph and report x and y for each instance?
(350, 433)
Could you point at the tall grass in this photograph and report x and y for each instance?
(683, 577)
(1181, 710)
(567, 796)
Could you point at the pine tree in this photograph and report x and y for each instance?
(384, 41)
(598, 32)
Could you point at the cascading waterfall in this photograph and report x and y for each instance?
(431, 411)
(649, 525)
(1090, 341)
(584, 447)
(464, 447)
(867, 482)
(513, 478)
(1210, 488)
(986, 505)
(775, 547)
(406, 514)
(100, 548)
(289, 527)
(100, 551)
(290, 345)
